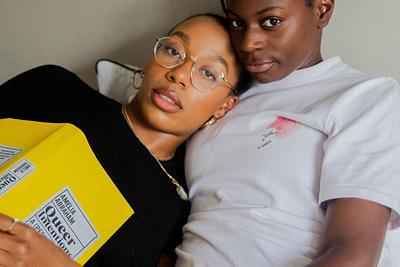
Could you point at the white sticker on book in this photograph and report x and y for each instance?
(7, 153)
(62, 220)
(15, 174)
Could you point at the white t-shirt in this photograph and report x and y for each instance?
(259, 176)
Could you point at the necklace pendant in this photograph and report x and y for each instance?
(182, 194)
(179, 189)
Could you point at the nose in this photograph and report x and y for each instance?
(253, 39)
(180, 74)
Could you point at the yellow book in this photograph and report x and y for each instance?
(50, 178)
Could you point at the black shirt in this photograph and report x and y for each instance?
(53, 94)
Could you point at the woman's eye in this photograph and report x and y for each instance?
(236, 23)
(271, 22)
(169, 50)
(173, 52)
(209, 75)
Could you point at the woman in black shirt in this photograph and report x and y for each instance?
(187, 84)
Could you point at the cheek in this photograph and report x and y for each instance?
(289, 41)
(152, 77)
(202, 108)
(237, 39)
(199, 112)
(293, 49)
(299, 40)
(153, 72)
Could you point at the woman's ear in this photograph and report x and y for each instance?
(229, 104)
(324, 10)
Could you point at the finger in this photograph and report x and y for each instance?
(14, 227)
(9, 243)
(6, 259)
(5, 222)
(12, 223)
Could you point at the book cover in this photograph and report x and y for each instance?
(51, 179)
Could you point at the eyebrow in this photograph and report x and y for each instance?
(258, 12)
(186, 38)
(182, 35)
(222, 60)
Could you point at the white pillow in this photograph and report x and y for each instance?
(115, 80)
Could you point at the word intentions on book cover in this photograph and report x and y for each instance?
(50, 178)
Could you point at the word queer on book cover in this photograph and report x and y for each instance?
(50, 178)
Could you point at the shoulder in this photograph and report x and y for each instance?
(377, 91)
(63, 85)
(55, 70)
(353, 79)
(44, 74)
(44, 80)
(365, 90)
(380, 83)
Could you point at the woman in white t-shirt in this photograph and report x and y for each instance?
(305, 170)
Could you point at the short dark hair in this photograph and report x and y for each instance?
(218, 18)
(244, 77)
(307, 2)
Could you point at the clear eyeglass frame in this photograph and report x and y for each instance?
(175, 55)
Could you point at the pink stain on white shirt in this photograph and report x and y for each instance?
(283, 126)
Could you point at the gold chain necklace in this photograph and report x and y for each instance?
(179, 189)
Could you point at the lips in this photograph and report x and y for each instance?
(258, 67)
(166, 100)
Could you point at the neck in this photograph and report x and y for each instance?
(160, 144)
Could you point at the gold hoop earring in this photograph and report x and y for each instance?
(210, 122)
(136, 80)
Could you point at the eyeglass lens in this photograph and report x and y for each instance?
(205, 73)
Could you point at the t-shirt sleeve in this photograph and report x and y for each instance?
(362, 151)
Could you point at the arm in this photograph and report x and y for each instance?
(23, 246)
(354, 233)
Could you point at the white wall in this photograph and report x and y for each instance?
(75, 33)
(366, 33)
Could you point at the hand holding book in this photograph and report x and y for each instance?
(51, 180)
(23, 246)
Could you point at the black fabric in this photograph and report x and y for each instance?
(53, 94)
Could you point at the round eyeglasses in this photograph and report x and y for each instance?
(205, 74)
